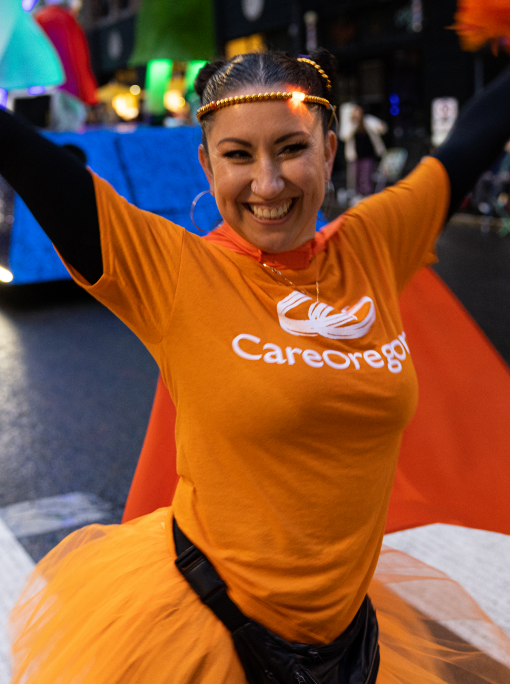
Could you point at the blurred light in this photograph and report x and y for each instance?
(192, 72)
(36, 90)
(5, 275)
(135, 89)
(156, 81)
(394, 99)
(394, 111)
(174, 101)
(298, 97)
(417, 15)
(3, 97)
(107, 92)
(28, 5)
(126, 106)
(241, 46)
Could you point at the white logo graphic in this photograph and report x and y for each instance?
(321, 320)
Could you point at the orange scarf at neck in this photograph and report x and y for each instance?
(296, 260)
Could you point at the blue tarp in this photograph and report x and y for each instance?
(156, 169)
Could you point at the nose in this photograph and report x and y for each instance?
(267, 182)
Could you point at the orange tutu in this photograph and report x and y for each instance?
(108, 605)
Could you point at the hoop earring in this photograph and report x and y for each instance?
(192, 210)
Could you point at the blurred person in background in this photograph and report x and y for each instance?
(362, 134)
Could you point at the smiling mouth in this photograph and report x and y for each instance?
(271, 213)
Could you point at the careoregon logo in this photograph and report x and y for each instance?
(351, 323)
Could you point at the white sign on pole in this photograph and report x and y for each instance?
(444, 114)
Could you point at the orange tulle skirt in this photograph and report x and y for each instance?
(108, 606)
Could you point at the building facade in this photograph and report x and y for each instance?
(110, 29)
(394, 56)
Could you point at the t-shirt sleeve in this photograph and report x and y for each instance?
(141, 259)
(402, 223)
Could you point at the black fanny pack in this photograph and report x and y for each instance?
(353, 658)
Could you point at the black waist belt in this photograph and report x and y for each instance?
(353, 658)
(203, 578)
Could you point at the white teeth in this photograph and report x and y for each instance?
(274, 213)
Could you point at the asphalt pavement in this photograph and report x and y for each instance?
(476, 267)
(75, 397)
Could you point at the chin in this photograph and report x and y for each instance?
(275, 241)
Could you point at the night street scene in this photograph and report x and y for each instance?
(254, 341)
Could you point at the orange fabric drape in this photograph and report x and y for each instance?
(156, 476)
(454, 464)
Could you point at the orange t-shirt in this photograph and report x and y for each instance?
(289, 413)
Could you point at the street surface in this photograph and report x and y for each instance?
(75, 397)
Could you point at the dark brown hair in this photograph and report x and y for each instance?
(263, 71)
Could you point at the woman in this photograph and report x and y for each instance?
(287, 348)
(361, 134)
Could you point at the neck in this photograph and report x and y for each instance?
(296, 259)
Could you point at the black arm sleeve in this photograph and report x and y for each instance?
(58, 190)
(477, 139)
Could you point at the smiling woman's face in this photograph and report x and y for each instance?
(267, 164)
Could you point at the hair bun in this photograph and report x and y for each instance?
(325, 60)
(205, 74)
(328, 63)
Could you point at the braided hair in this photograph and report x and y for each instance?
(264, 71)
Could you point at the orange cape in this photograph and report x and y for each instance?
(454, 464)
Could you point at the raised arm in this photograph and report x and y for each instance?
(477, 139)
(57, 189)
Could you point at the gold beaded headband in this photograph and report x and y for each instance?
(260, 97)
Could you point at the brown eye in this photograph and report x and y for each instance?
(237, 154)
(294, 148)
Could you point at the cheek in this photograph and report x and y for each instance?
(230, 181)
(309, 176)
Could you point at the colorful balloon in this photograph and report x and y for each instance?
(27, 57)
(71, 44)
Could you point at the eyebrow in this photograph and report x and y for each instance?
(245, 143)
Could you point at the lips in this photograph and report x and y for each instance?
(271, 213)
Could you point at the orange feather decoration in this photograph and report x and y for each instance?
(478, 22)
